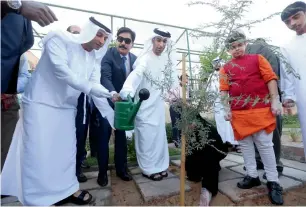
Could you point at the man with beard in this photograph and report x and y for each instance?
(294, 16)
(115, 68)
(40, 166)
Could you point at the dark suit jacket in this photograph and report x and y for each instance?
(263, 49)
(112, 73)
(16, 38)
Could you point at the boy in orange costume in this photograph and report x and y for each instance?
(250, 83)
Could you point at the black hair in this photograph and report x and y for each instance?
(181, 77)
(69, 29)
(292, 9)
(128, 30)
(233, 37)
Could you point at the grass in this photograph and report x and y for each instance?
(93, 161)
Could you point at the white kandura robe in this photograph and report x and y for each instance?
(41, 164)
(150, 132)
(295, 89)
(224, 127)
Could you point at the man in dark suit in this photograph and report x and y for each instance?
(115, 67)
(261, 47)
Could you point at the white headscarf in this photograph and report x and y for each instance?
(168, 54)
(88, 32)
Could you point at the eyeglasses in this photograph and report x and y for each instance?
(126, 40)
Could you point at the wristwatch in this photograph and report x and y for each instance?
(14, 5)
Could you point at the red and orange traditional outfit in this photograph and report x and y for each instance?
(246, 78)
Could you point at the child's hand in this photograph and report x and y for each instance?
(288, 103)
(228, 116)
(276, 107)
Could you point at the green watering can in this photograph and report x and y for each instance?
(125, 111)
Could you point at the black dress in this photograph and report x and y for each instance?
(204, 164)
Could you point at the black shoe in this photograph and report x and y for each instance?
(177, 144)
(265, 175)
(275, 193)
(125, 176)
(102, 180)
(4, 196)
(82, 178)
(248, 182)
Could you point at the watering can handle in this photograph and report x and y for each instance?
(129, 98)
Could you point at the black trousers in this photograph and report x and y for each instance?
(204, 164)
(175, 116)
(81, 132)
(104, 131)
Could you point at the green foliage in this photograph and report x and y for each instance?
(291, 121)
(131, 150)
(209, 54)
(112, 44)
(169, 132)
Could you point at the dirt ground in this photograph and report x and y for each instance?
(127, 194)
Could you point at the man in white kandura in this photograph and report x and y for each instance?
(150, 132)
(224, 127)
(294, 16)
(40, 166)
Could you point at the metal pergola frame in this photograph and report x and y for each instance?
(186, 31)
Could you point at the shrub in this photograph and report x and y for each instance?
(169, 132)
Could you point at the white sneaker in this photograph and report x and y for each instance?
(205, 197)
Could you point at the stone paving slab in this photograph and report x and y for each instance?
(230, 189)
(92, 184)
(226, 174)
(234, 158)
(149, 189)
(295, 174)
(12, 204)
(227, 163)
(134, 170)
(102, 195)
(159, 189)
(294, 164)
(93, 174)
(176, 163)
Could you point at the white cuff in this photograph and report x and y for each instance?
(86, 87)
(113, 92)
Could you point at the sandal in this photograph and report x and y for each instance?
(154, 177)
(80, 199)
(164, 174)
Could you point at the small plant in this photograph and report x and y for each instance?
(295, 135)
(169, 132)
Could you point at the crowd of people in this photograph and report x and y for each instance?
(79, 78)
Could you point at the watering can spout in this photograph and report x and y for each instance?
(144, 94)
(125, 111)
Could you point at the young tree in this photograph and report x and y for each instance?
(232, 15)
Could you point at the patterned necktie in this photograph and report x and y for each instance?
(124, 67)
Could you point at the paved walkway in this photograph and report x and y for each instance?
(102, 195)
(150, 190)
(294, 175)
